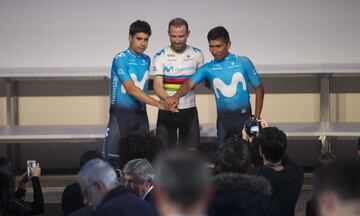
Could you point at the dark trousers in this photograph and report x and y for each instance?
(186, 121)
(230, 123)
(121, 124)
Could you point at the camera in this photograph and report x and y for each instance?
(30, 164)
(252, 127)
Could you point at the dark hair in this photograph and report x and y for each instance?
(219, 33)
(340, 177)
(182, 175)
(273, 143)
(139, 26)
(139, 145)
(208, 150)
(7, 183)
(89, 155)
(178, 22)
(233, 156)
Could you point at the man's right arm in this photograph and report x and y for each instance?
(120, 66)
(173, 101)
(189, 84)
(185, 88)
(137, 93)
(159, 87)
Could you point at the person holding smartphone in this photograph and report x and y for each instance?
(12, 202)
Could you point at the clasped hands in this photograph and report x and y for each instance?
(171, 103)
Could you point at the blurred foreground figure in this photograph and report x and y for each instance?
(182, 184)
(338, 189)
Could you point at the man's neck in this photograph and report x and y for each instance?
(192, 211)
(178, 51)
(223, 58)
(277, 166)
(134, 53)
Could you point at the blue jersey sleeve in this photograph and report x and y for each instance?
(251, 72)
(120, 67)
(199, 75)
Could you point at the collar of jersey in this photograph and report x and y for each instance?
(224, 59)
(133, 53)
(172, 50)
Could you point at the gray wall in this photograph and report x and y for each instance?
(87, 33)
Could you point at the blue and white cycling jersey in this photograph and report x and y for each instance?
(229, 79)
(128, 65)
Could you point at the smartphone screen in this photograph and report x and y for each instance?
(29, 165)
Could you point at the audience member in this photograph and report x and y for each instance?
(72, 199)
(238, 193)
(139, 145)
(255, 157)
(209, 151)
(182, 184)
(103, 192)
(286, 178)
(324, 159)
(139, 176)
(11, 202)
(337, 187)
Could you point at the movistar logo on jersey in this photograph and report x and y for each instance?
(138, 83)
(169, 69)
(229, 90)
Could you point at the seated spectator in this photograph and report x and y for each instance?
(182, 184)
(209, 151)
(238, 193)
(139, 145)
(105, 195)
(139, 176)
(337, 187)
(72, 199)
(11, 202)
(286, 178)
(324, 159)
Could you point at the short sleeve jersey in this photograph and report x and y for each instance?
(229, 79)
(176, 68)
(128, 66)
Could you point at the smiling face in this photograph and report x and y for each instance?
(139, 42)
(219, 49)
(178, 37)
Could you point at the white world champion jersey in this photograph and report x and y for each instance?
(176, 68)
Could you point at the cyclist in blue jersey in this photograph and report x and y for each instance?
(229, 76)
(129, 80)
